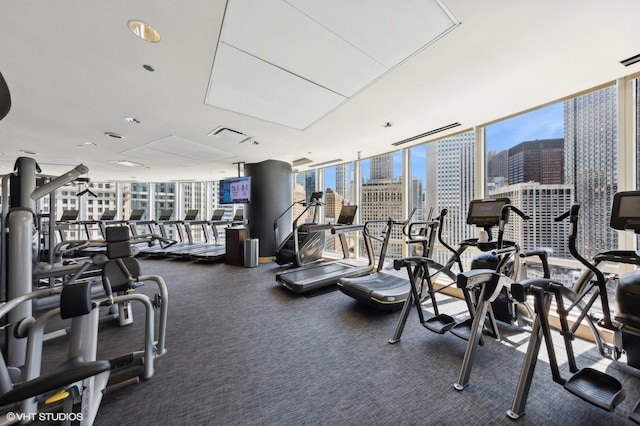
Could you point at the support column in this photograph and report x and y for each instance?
(271, 194)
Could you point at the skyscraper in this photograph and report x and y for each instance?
(382, 167)
(450, 185)
(591, 165)
(536, 161)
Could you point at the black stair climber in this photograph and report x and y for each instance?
(305, 243)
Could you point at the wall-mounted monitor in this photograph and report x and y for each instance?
(235, 190)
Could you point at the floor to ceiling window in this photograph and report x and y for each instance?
(338, 191)
(548, 159)
(449, 185)
(382, 197)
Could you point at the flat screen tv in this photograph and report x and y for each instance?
(235, 190)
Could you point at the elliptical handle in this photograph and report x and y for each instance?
(518, 211)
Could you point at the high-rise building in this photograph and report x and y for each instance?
(542, 203)
(382, 199)
(450, 185)
(591, 165)
(344, 181)
(537, 161)
(497, 164)
(381, 167)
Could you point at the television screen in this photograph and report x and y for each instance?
(235, 190)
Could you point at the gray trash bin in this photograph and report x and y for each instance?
(251, 249)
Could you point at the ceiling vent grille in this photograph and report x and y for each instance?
(301, 162)
(630, 61)
(429, 133)
(228, 134)
(324, 163)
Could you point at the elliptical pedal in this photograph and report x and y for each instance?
(596, 387)
(440, 323)
(463, 329)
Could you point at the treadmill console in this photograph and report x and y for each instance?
(315, 197)
(347, 215)
(625, 212)
(165, 214)
(191, 214)
(136, 214)
(486, 213)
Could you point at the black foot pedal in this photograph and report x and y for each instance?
(440, 323)
(596, 387)
(635, 414)
(463, 329)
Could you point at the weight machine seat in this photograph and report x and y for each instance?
(75, 301)
(122, 268)
(72, 370)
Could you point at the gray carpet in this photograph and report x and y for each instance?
(244, 351)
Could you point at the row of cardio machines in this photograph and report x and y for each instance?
(182, 243)
(495, 290)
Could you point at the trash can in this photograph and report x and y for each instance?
(251, 249)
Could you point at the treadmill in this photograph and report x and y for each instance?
(165, 218)
(387, 289)
(195, 247)
(317, 276)
(186, 243)
(216, 251)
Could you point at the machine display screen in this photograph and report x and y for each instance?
(625, 213)
(486, 213)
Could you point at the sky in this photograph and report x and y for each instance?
(543, 123)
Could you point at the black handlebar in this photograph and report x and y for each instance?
(601, 281)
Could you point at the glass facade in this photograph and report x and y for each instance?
(543, 161)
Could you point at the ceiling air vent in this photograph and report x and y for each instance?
(429, 133)
(324, 163)
(225, 133)
(630, 61)
(301, 162)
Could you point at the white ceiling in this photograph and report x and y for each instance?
(75, 71)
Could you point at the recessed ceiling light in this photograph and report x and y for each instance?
(127, 163)
(114, 135)
(24, 151)
(132, 120)
(144, 31)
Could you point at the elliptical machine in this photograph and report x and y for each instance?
(591, 385)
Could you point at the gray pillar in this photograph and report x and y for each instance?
(271, 195)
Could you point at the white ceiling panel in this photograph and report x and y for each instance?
(175, 151)
(250, 86)
(388, 31)
(277, 33)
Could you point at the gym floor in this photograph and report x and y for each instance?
(242, 350)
